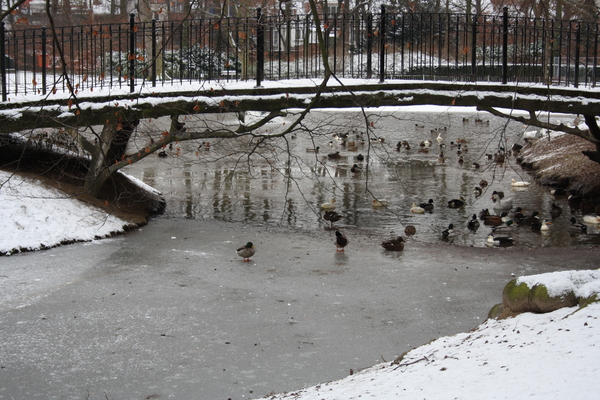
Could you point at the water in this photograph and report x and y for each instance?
(282, 183)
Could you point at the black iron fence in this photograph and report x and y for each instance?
(449, 47)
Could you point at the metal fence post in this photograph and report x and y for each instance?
(474, 50)
(505, 46)
(3, 61)
(131, 52)
(369, 45)
(153, 52)
(382, 45)
(260, 47)
(44, 53)
(577, 50)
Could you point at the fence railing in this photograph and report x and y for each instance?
(454, 47)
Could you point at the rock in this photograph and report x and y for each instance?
(521, 298)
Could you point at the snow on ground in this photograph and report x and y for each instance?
(35, 216)
(534, 356)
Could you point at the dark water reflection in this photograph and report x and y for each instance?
(274, 187)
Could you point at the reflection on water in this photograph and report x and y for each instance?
(284, 183)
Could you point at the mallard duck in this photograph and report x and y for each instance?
(427, 206)
(410, 230)
(456, 203)
(555, 211)
(499, 240)
(473, 224)
(449, 232)
(355, 169)
(312, 149)
(394, 244)
(531, 219)
(378, 203)
(334, 155)
(591, 219)
(483, 183)
(576, 226)
(494, 220)
(416, 209)
(332, 217)
(340, 241)
(328, 206)
(501, 204)
(518, 214)
(477, 191)
(514, 183)
(246, 251)
(509, 227)
(360, 157)
(483, 214)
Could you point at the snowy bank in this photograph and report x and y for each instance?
(537, 356)
(36, 216)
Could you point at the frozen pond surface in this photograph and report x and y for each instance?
(225, 184)
(169, 310)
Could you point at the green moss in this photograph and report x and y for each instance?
(514, 292)
(496, 310)
(586, 301)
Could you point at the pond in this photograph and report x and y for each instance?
(285, 182)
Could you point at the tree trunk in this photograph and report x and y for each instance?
(109, 150)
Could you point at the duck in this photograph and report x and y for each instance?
(312, 149)
(577, 226)
(340, 241)
(544, 227)
(555, 211)
(477, 191)
(416, 209)
(473, 224)
(329, 206)
(355, 169)
(427, 206)
(533, 218)
(509, 227)
(499, 240)
(332, 217)
(360, 157)
(449, 232)
(439, 137)
(410, 230)
(246, 251)
(394, 244)
(495, 220)
(514, 183)
(501, 204)
(377, 203)
(475, 165)
(518, 214)
(483, 183)
(456, 203)
(334, 155)
(162, 154)
(591, 219)
(484, 213)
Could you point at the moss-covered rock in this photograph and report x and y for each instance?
(516, 297)
(496, 311)
(586, 301)
(521, 298)
(542, 302)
